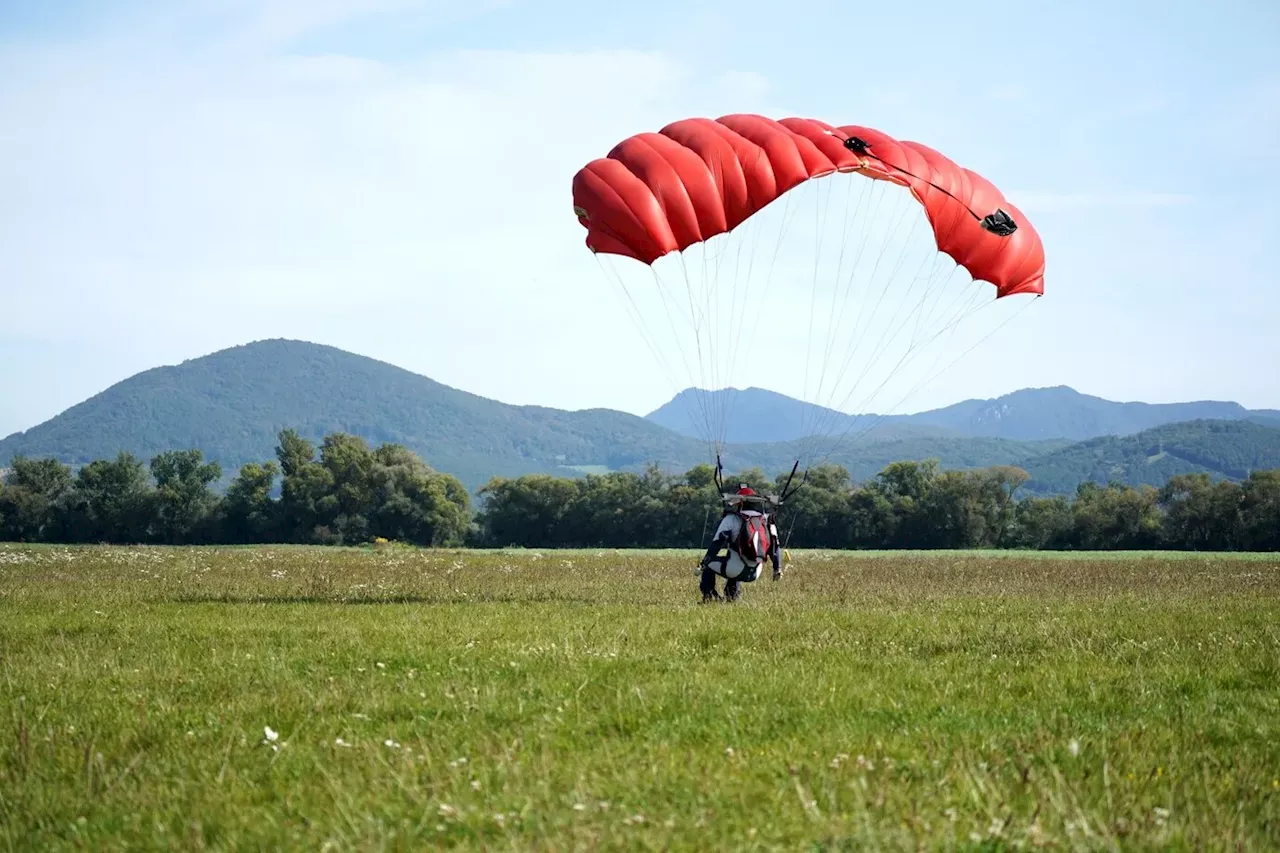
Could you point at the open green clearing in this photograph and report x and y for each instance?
(583, 700)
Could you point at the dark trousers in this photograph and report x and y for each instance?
(732, 589)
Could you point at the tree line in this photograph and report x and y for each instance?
(347, 492)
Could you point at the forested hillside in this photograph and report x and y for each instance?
(1221, 449)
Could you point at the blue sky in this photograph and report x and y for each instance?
(392, 176)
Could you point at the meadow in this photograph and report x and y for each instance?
(391, 698)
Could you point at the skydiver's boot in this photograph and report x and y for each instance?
(732, 591)
(708, 586)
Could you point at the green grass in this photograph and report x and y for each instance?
(582, 700)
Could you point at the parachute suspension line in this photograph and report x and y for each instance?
(637, 317)
(736, 348)
(934, 375)
(927, 315)
(902, 362)
(661, 290)
(967, 308)
(961, 316)
(809, 419)
(827, 417)
(707, 293)
(859, 331)
(812, 429)
(716, 438)
(819, 221)
(726, 357)
(647, 335)
(979, 343)
(737, 306)
(931, 279)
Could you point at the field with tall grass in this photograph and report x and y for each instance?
(389, 698)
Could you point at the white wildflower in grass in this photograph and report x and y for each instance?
(390, 744)
(446, 810)
(269, 738)
(342, 743)
(1074, 747)
(380, 665)
(1162, 816)
(475, 784)
(458, 762)
(579, 807)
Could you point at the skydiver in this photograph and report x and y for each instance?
(746, 535)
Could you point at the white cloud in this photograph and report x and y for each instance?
(414, 212)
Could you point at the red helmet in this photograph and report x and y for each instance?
(747, 490)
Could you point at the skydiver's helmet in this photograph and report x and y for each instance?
(749, 500)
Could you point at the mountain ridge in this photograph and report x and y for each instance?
(233, 403)
(1028, 414)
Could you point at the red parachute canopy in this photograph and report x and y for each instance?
(657, 193)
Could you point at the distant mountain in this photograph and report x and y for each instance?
(753, 415)
(232, 405)
(1062, 412)
(1222, 449)
(1027, 415)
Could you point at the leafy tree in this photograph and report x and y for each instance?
(412, 503)
(527, 510)
(182, 502)
(1260, 511)
(248, 512)
(1042, 524)
(1116, 517)
(111, 502)
(306, 505)
(1201, 515)
(30, 498)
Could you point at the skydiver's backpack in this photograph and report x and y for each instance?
(753, 538)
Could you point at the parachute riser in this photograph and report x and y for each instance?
(787, 491)
(999, 222)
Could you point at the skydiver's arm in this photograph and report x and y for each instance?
(723, 536)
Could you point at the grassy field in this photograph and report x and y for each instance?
(395, 699)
